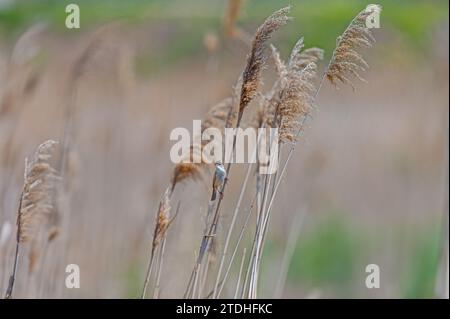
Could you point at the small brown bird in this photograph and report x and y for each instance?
(219, 177)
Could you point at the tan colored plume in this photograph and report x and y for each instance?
(37, 202)
(162, 220)
(346, 61)
(291, 96)
(257, 57)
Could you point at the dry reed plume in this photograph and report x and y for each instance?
(291, 96)
(346, 60)
(162, 223)
(257, 57)
(36, 210)
(37, 200)
(296, 100)
(163, 220)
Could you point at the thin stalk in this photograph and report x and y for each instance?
(205, 268)
(204, 276)
(258, 189)
(294, 234)
(291, 150)
(259, 234)
(211, 232)
(160, 266)
(240, 274)
(241, 235)
(149, 272)
(12, 278)
(202, 248)
(195, 283)
(233, 221)
(289, 156)
(249, 267)
(154, 245)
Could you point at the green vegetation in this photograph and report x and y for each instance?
(327, 255)
(132, 280)
(331, 255)
(320, 21)
(420, 275)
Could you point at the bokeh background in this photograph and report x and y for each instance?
(369, 177)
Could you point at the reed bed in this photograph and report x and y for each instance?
(228, 251)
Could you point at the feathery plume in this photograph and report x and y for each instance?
(272, 98)
(291, 96)
(296, 100)
(162, 223)
(257, 56)
(37, 199)
(162, 220)
(186, 170)
(36, 204)
(280, 66)
(300, 58)
(265, 114)
(234, 106)
(346, 60)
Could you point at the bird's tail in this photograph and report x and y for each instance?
(213, 196)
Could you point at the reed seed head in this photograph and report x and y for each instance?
(163, 219)
(296, 101)
(280, 66)
(257, 57)
(37, 203)
(346, 61)
(301, 57)
(292, 94)
(184, 171)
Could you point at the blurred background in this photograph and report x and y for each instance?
(369, 177)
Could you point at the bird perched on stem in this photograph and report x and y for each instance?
(220, 175)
